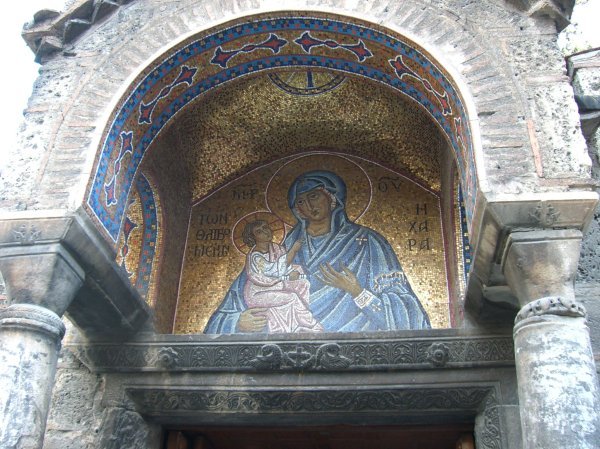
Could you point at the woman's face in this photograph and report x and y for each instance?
(314, 205)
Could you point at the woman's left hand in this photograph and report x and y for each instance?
(344, 280)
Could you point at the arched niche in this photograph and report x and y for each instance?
(261, 89)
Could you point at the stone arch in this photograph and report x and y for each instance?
(462, 51)
(157, 96)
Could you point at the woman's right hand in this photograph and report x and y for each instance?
(253, 320)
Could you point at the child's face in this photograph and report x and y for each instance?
(262, 233)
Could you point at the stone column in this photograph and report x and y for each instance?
(41, 281)
(558, 385)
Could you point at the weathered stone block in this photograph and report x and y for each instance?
(562, 145)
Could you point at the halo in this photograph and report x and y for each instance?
(275, 223)
(358, 184)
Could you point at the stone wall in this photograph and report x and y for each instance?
(79, 419)
(586, 82)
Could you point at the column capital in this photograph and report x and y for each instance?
(540, 266)
(32, 317)
(551, 305)
(42, 274)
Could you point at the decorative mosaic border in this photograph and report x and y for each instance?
(151, 232)
(150, 238)
(156, 99)
(303, 356)
(464, 230)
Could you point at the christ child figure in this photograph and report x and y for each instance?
(274, 284)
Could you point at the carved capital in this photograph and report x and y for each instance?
(42, 274)
(30, 317)
(545, 215)
(541, 264)
(27, 235)
(551, 305)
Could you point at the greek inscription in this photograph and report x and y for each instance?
(421, 209)
(213, 219)
(419, 244)
(211, 250)
(419, 227)
(386, 183)
(244, 192)
(213, 234)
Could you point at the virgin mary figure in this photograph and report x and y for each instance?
(356, 280)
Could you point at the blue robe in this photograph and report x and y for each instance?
(363, 251)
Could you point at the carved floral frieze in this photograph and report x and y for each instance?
(299, 401)
(474, 400)
(299, 355)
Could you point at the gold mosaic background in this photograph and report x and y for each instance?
(251, 121)
(212, 261)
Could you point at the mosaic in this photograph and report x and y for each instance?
(462, 247)
(137, 251)
(254, 121)
(309, 82)
(276, 44)
(316, 242)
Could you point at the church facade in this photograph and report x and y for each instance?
(311, 224)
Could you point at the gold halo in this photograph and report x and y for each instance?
(275, 223)
(358, 184)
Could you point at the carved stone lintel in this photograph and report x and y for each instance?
(303, 356)
(166, 357)
(270, 357)
(250, 405)
(551, 305)
(157, 401)
(329, 356)
(438, 354)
